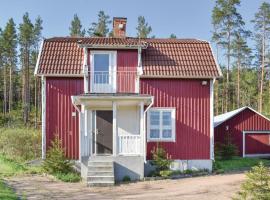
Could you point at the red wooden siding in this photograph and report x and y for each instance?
(257, 143)
(192, 102)
(127, 62)
(59, 108)
(247, 120)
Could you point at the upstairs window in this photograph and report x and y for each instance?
(161, 124)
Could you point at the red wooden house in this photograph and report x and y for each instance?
(111, 100)
(248, 130)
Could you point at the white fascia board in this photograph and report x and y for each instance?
(39, 54)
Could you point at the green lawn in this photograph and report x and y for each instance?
(9, 167)
(7, 193)
(238, 163)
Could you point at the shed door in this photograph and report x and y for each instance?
(257, 143)
(104, 132)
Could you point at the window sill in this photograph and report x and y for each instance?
(160, 140)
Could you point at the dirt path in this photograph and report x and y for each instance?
(204, 188)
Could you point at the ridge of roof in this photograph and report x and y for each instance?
(219, 119)
(151, 40)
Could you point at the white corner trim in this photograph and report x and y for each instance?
(85, 70)
(212, 157)
(39, 54)
(43, 110)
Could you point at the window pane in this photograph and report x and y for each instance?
(101, 68)
(167, 133)
(154, 118)
(154, 133)
(166, 118)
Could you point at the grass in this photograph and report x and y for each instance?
(68, 177)
(10, 167)
(238, 164)
(6, 192)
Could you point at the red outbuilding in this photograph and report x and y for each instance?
(248, 129)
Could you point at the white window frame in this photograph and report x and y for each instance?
(173, 119)
(112, 67)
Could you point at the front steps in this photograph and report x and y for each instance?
(100, 171)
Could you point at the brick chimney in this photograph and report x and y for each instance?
(119, 26)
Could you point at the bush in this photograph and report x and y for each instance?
(126, 179)
(68, 177)
(257, 184)
(20, 144)
(166, 173)
(227, 150)
(55, 161)
(160, 159)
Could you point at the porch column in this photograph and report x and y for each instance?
(142, 134)
(114, 128)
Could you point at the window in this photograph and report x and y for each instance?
(101, 68)
(103, 71)
(161, 124)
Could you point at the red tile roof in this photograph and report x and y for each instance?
(185, 58)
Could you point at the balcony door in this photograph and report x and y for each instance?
(103, 71)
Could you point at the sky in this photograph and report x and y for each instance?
(185, 18)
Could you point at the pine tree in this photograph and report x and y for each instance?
(9, 59)
(34, 54)
(227, 23)
(173, 36)
(76, 27)
(257, 185)
(242, 54)
(100, 28)
(262, 31)
(143, 29)
(26, 37)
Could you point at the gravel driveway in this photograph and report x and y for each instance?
(203, 188)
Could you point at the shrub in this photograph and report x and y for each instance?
(68, 177)
(56, 161)
(20, 144)
(227, 150)
(160, 159)
(166, 173)
(257, 184)
(126, 179)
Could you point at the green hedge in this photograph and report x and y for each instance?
(20, 144)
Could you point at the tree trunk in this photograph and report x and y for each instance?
(238, 81)
(228, 71)
(5, 90)
(262, 70)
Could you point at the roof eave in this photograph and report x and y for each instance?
(112, 46)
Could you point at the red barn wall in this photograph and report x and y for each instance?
(247, 120)
(192, 102)
(59, 108)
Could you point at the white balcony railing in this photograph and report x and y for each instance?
(113, 81)
(129, 144)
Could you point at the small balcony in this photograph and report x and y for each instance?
(114, 81)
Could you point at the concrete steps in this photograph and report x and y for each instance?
(100, 172)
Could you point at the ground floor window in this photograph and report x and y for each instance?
(161, 124)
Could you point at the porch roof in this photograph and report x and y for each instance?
(105, 100)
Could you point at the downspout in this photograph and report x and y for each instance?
(144, 127)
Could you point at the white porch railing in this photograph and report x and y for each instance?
(129, 145)
(113, 81)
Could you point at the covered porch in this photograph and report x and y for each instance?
(113, 125)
